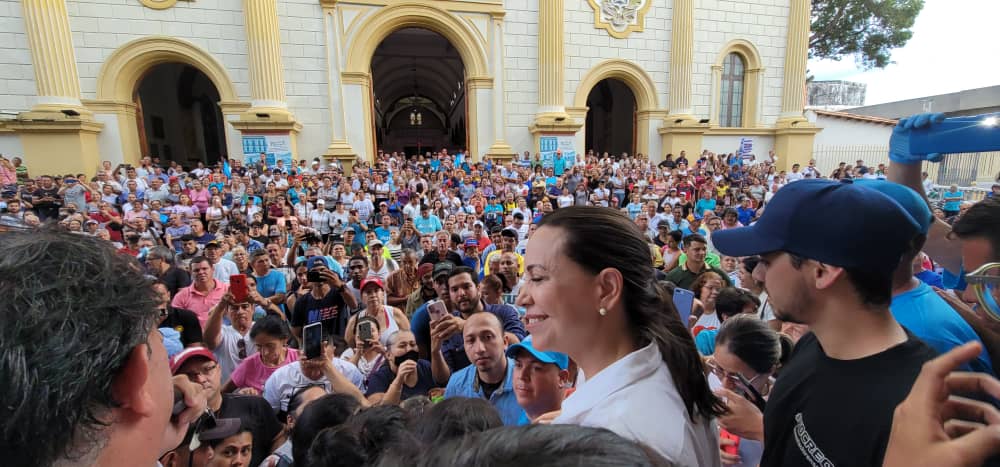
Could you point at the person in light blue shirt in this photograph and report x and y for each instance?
(491, 375)
(542, 376)
(952, 201)
(914, 304)
(427, 223)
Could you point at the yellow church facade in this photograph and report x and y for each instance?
(197, 80)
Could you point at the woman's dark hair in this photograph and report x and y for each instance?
(729, 211)
(216, 442)
(335, 447)
(380, 429)
(677, 235)
(271, 325)
(328, 411)
(296, 400)
(750, 339)
(541, 446)
(496, 281)
(598, 238)
(750, 263)
(370, 319)
(732, 301)
(455, 418)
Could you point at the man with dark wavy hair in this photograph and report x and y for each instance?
(84, 370)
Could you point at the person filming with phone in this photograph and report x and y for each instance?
(390, 319)
(327, 301)
(747, 355)
(405, 375)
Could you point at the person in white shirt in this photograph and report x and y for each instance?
(589, 293)
(336, 375)
(794, 175)
(231, 343)
(222, 268)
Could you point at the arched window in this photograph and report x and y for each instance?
(731, 95)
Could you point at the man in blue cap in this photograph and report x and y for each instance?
(828, 254)
(540, 379)
(914, 304)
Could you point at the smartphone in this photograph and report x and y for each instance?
(684, 302)
(436, 309)
(365, 331)
(238, 287)
(314, 276)
(312, 335)
(288, 224)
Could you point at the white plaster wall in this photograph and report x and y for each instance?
(304, 58)
(109, 140)
(101, 26)
(521, 70)
(761, 22)
(841, 132)
(727, 144)
(17, 82)
(586, 46)
(10, 146)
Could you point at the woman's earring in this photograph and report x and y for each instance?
(603, 311)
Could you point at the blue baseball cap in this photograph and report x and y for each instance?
(910, 200)
(838, 223)
(316, 261)
(558, 359)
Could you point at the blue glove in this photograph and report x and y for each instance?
(899, 143)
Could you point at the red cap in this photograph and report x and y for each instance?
(424, 269)
(372, 280)
(178, 361)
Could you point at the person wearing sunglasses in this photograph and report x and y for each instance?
(230, 342)
(202, 367)
(747, 355)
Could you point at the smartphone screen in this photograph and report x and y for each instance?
(684, 302)
(313, 337)
(365, 331)
(436, 309)
(238, 287)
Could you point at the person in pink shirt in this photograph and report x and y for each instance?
(270, 335)
(200, 196)
(204, 292)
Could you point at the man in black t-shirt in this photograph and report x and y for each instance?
(834, 400)
(46, 199)
(328, 301)
(185, 322)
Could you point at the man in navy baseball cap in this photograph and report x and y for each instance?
(828, 253)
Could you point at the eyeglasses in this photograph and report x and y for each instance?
(985, 282)
(205, 371)
(733, 376)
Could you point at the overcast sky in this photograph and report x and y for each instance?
(955, 46)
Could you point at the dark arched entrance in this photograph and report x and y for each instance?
(611, 119)
(179, 115)
(419, 93)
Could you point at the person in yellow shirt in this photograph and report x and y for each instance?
(508, 241)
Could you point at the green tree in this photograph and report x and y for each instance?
(868, 30)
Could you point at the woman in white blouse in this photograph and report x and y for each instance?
(590, 292)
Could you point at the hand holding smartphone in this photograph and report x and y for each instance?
(684, 302)
(436, 309)
(238, 288)
(365, 331)
(312, 335)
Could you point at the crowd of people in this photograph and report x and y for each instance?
(433, 310)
